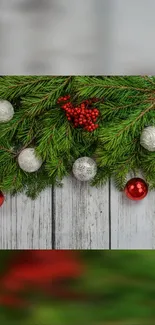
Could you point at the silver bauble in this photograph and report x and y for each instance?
(6, 111)
(28, 161)
(147, 139)
(84, 169)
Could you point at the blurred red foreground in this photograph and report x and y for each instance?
(39, 270)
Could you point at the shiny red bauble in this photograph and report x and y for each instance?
(1, 198)
(136, 189)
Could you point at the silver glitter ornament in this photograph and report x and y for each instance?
(28, 161)
(6, 111)
(84, 169)
(147, 139)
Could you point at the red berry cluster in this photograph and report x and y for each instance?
(83, 115)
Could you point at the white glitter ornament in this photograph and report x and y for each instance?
(6, 111)
(28, 161)
(147, 139)
(84, 169)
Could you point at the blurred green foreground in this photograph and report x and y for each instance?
(116, 288)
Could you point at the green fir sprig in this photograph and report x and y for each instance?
(126, 105)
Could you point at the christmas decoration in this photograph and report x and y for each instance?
(84, 169)
(65, 294)
(147, 139)
(136, 189)
(1, 198)
(6, 111)
(68, 117)
(84, 115)
(28, 161)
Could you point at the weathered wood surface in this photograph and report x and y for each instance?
(81, 216)
(26, 224)
(132, 222)
(75, 216)
(78, 216)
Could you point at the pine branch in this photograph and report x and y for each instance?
(126, 105)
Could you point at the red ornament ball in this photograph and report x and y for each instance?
(1, 198)
(136, 189)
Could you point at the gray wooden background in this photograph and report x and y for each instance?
(78, 216)
(77, 37)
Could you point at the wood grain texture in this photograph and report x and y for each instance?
(81, 216)
(26, 224)
(78, 216)
(132, 222)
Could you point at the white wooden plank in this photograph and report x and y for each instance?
(26, 224)
(132, 222)
(81, 216)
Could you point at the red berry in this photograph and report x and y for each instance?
(94, 99)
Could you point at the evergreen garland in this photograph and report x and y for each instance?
(39, 121)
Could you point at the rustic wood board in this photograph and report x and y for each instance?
(78, 216)
(81, 216)
(26, 224)
(75, 216)
(132, 222)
